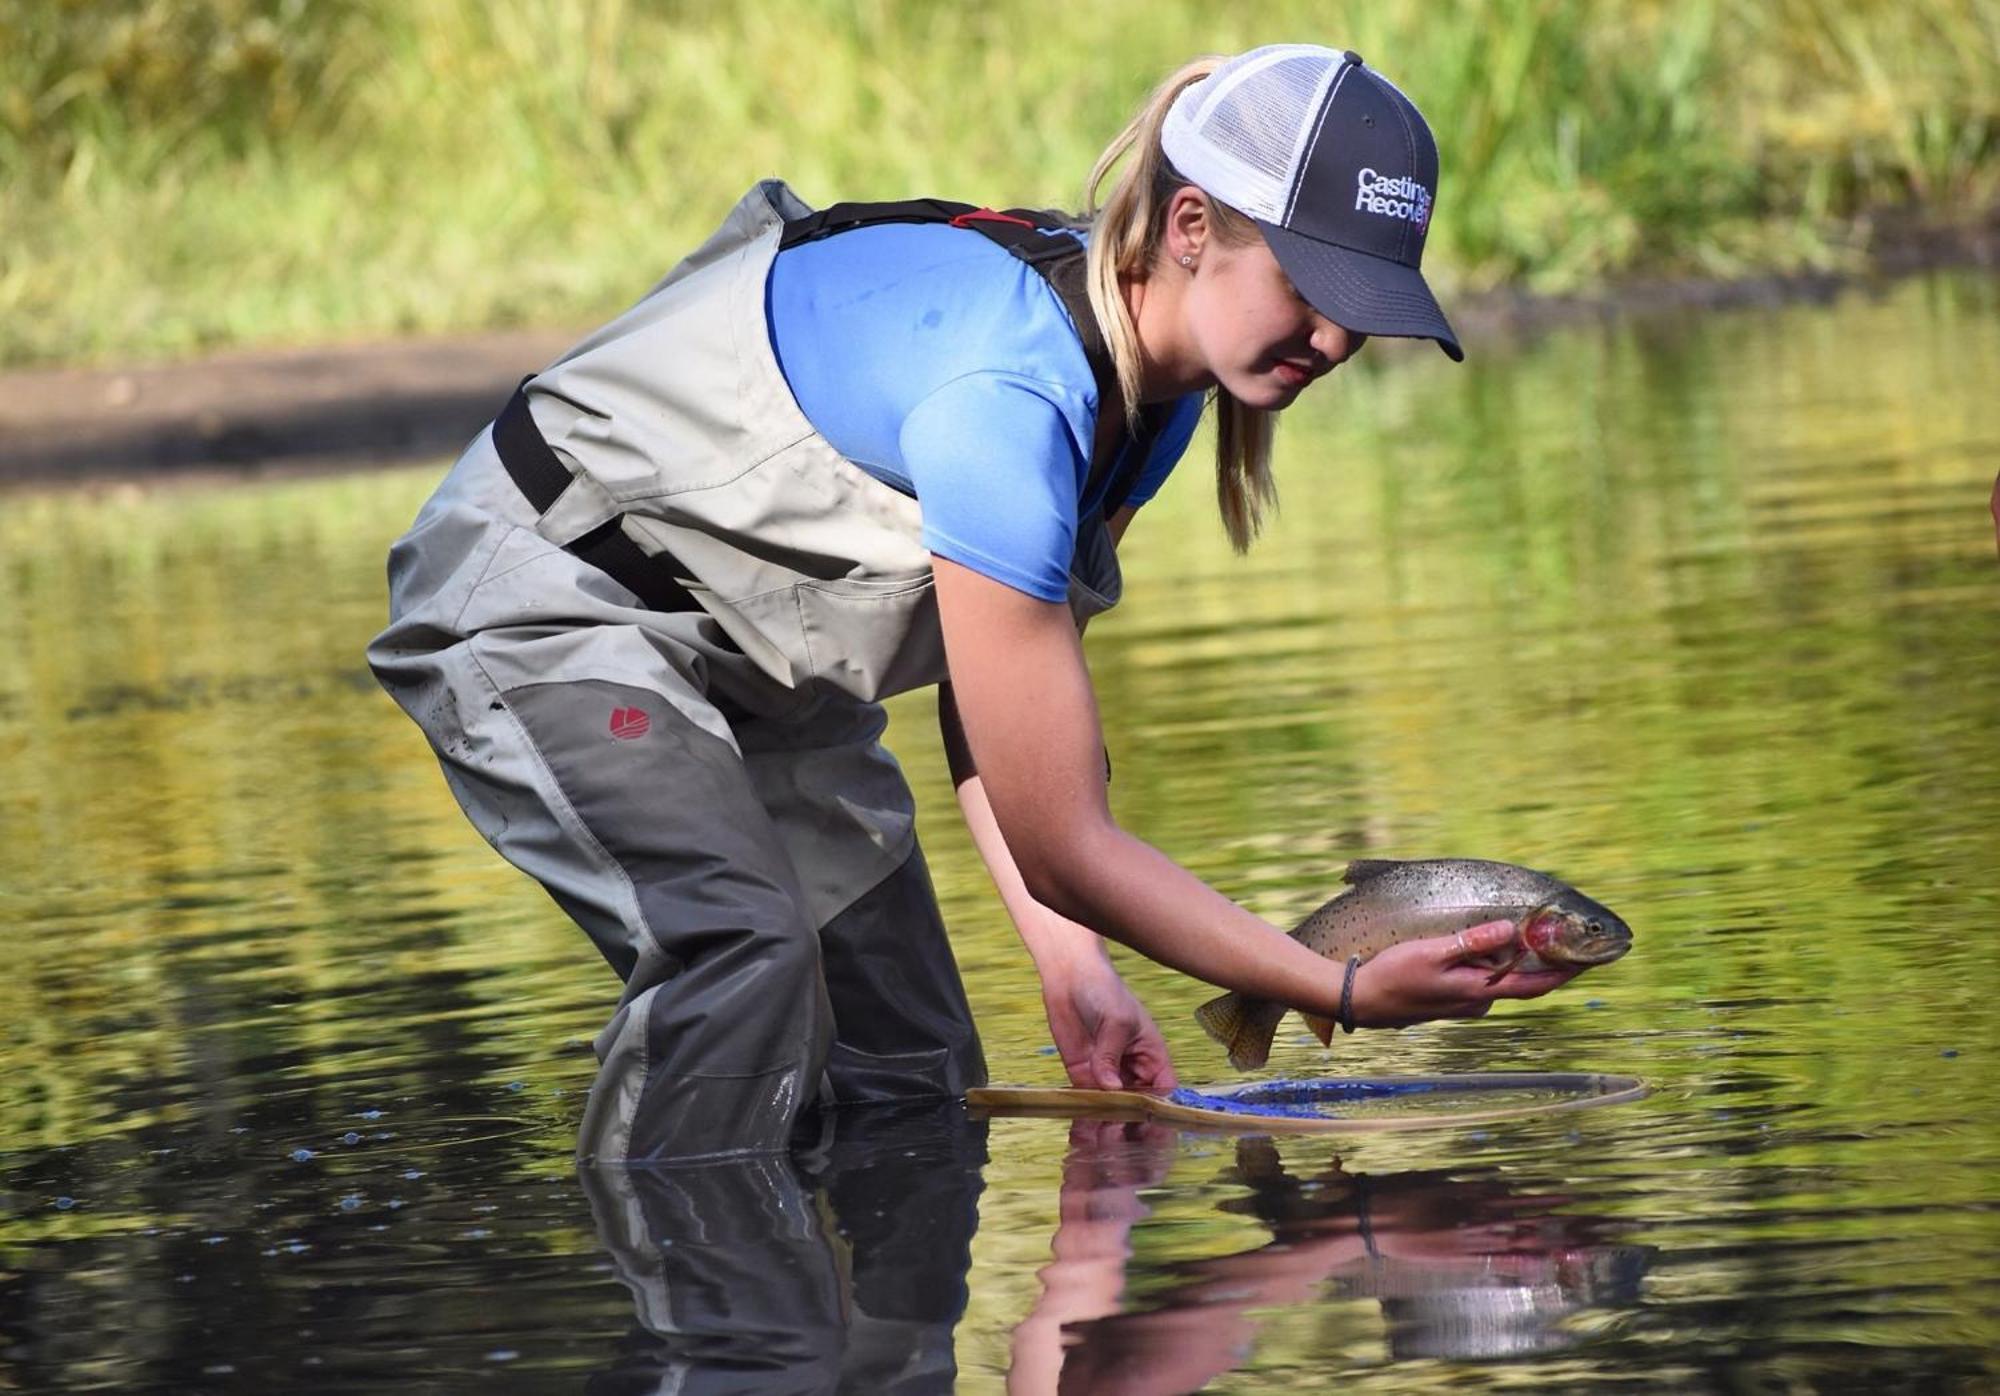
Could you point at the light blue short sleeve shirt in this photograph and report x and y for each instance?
(948, 369)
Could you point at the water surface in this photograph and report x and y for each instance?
(1700, 614)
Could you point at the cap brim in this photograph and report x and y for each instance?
(1359, 291)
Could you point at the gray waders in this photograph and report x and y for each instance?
(703, 790)
(840, 1268)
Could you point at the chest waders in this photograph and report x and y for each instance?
(839, 1268)
(652, 684)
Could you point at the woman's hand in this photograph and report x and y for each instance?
(1106, 1038)
(1444, 977)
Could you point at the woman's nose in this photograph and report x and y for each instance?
(1335, 343)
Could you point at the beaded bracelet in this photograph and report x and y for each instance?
(1346, 1015)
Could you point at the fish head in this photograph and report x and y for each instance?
(1574, 930)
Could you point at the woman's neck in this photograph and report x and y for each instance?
(1168, 366)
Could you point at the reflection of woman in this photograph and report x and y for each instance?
(1463, 1267)
(840, 1268)
(646, 619)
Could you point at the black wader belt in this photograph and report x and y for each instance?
(543, 478)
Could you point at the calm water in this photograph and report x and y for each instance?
(1702, 615)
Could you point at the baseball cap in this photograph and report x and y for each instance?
(1337, 168)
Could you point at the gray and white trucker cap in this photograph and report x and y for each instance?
(1338, 169)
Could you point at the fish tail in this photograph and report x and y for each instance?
(1244, 1025)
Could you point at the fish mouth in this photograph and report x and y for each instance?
(1599, 947)
(1601, 951)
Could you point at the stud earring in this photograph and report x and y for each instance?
(1187, 259)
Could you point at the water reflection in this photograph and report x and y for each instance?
(1701, 616)
(839, 1269)
(1463, 1266)
(844, 1268)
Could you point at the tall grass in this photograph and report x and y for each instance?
(183, 173)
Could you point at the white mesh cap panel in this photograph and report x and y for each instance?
(1241, 132)
(1262, 123)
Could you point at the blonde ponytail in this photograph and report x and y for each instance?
(1125, 234)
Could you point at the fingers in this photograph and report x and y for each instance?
(1143, 1059)
(1448, 976)
(1107, 1061)
(1148, 1068)
(1126, 1052)
(1532, 985)
(1082, 1074)
(1484, 939)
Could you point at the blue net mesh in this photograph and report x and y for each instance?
(1313, 1099)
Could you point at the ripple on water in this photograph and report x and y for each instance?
(1703, 620)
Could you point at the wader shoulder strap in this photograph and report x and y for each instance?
(542, 478)
(1037, 236)
(1033, 235)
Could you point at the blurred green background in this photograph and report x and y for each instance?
(180, 174)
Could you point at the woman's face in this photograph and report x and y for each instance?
(1253, 332)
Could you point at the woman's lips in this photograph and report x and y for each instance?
(1293, 375)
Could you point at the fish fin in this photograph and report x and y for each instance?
(1359, 870)
(1245, 1026)
(1322, 1028)
(1222, 1019)
(1508, 968)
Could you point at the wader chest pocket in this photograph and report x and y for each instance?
(869, 638)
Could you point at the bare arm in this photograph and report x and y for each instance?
(1031, 751)
(1031, 730)
(1105, 1036)
(1051, 939)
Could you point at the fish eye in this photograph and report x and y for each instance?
(1594, 927)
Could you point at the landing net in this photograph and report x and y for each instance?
(1329, 1104)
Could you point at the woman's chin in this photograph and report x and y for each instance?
(1267, 392)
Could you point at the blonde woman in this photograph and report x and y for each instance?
(647, 618)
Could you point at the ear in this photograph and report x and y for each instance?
(1187, 224)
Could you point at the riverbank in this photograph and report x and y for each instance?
(380, 403)
(182, 177)
(249, 412)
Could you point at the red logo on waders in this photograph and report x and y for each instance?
(629, 723)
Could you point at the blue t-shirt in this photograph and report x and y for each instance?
(948, 369)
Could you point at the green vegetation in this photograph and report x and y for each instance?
(177, 174)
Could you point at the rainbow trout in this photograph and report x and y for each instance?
(1388, 902)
